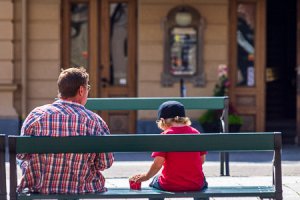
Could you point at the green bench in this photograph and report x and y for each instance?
(2, 168)
(227, 142)
(152, 103)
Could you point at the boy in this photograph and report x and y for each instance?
(182, 171)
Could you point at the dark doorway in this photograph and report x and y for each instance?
(280, 72)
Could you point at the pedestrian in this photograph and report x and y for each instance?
(182, 171)
(65, 172)
(245, 41)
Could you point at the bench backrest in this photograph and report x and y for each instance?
(152, 103)
(146, 143)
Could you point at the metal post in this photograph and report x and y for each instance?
(3, 194)
(277, 174)
(224, 156)
(12, 168)
(182, 88)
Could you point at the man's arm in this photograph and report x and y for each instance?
(104, 161)
(28, 128)
(203, 158)
(244, 43)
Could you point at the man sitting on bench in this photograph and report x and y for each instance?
(65, 172)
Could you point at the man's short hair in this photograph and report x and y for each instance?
(70, 80)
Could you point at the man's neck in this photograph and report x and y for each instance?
(72, 99)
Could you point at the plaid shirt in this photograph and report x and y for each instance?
(64, 172)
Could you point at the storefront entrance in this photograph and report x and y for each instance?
(281, 74)
(101, 36)
(263, 65)
(247, 61)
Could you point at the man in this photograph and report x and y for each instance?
(65, 172)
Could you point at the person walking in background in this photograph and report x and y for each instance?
(182, 171)
(65, 172)
(245, 41)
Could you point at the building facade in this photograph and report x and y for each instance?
(149, 48)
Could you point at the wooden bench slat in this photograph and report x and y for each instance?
(153, 103)
(147, 143)
(242, 191)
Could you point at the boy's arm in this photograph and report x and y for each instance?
(203, 158)
(155, 167)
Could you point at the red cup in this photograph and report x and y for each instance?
(135, 185)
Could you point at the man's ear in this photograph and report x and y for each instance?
(81, 91)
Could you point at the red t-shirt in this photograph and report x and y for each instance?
(182, 171)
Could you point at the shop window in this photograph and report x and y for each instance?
(118, 44)
(79, 34)
(183, 54)
(246, 13)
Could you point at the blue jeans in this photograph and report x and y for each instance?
(155, 184)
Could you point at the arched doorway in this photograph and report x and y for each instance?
(280, 68)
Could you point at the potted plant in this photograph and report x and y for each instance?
(234, 120)
(210, 120)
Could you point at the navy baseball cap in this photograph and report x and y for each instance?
(171, 109)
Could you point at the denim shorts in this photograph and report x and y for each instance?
(155, 183)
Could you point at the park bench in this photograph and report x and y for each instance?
(152, 103)
(191, 103)
(226, 142)
(2, 168)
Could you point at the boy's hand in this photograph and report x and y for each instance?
(155, 167)
(139, 178)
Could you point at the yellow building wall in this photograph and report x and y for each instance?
(44, 43)
(7, 86)
(43, 51)
(152, 14)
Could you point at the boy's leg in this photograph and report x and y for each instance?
(154, 183)
(205, 185)
(156, 198)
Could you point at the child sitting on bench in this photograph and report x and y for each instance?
(182, 171)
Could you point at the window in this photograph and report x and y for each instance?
(183, 55)
(245, 44)
(79, 34)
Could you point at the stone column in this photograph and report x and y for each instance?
(8, 116)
